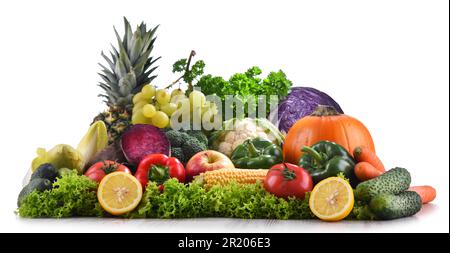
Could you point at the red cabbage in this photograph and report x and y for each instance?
(300, 102)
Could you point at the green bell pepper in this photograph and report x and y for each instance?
(257, 153)
(327, 159)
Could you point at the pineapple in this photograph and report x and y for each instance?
(130, 68)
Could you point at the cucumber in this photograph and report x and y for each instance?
(38, 184)
(394, 181)
(390, 206)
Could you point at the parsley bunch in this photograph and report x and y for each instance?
(246, 86)
(189, 73)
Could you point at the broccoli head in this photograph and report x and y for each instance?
(184, 145)
(176, 138)
(201, 137)
(192, 147)
(178, 153)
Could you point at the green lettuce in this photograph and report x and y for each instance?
(232, 201)
(72, 195)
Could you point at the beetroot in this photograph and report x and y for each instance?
(141, 140)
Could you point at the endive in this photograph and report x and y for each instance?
(95, 140)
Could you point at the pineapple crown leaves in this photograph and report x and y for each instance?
(129, 66)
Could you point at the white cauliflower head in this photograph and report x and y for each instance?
(242, 130)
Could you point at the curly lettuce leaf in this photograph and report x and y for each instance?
(232, 201)
(72, 195)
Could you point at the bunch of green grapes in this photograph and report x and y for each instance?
(155, 107)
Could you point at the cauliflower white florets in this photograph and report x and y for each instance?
(243, 130)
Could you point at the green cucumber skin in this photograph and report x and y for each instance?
(390, 206)
(38, 184)
(394, 181)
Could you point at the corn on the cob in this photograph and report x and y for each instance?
(226, 176)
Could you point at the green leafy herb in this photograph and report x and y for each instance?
(179, 66)
(189, 73)
(246, 86)
(72, 195)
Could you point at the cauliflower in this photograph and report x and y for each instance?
(236, 131)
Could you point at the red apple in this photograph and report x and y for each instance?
(205, 161)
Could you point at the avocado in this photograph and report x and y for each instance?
(390, 206)
(38, 184)
(394, 181)
(46, 171)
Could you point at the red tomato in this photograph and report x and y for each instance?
(288, 180)
(100, 169)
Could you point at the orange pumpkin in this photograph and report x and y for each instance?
(325, 123)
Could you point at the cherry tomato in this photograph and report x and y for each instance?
(100, 169)
(288, 180)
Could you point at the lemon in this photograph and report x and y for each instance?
(119, 193)
(332, 199)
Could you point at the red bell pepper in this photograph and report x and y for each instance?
(159, 168)
(100, 169)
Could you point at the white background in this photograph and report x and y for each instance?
(385, 62)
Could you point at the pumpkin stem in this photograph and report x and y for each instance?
(325, 110)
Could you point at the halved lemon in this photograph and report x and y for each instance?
(119, 193)
(332, 199)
